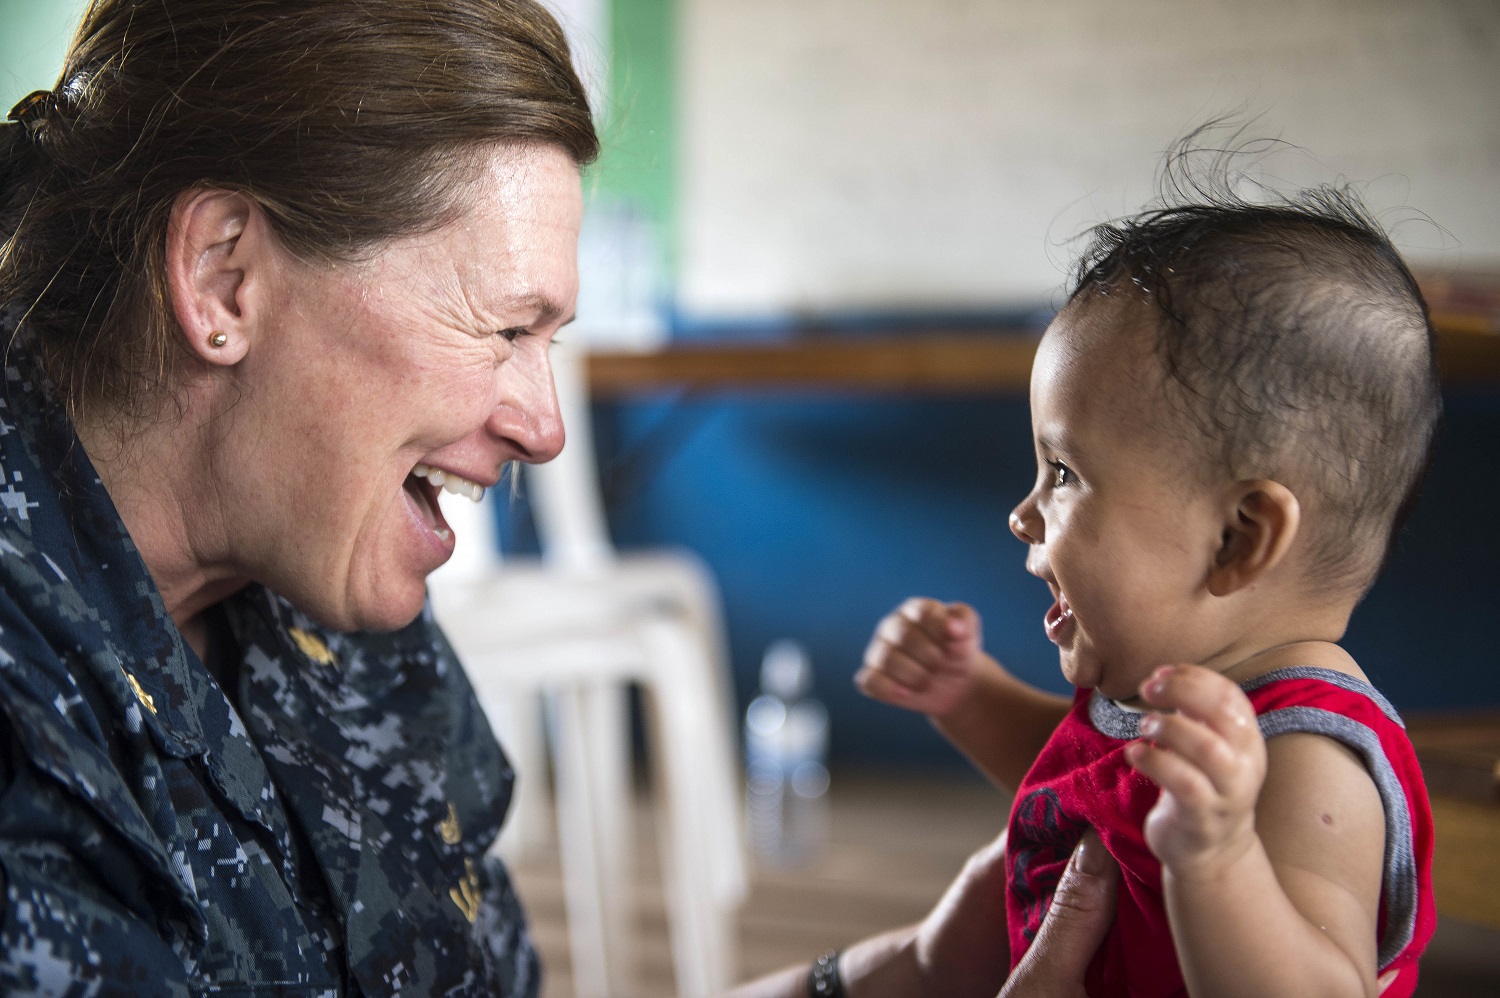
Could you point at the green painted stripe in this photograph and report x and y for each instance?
(638, 163)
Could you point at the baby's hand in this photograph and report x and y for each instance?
(924, 656)
(1208, 758)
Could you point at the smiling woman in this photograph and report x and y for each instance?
(272, 275)
(430, 353)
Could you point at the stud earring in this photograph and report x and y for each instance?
(218, 339)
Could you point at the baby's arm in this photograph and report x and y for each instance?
(1271, 853)
(927, 656)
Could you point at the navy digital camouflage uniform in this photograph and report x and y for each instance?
(320, 832)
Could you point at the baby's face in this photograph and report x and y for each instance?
(1120, 525)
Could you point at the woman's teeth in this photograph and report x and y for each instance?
(449, 482)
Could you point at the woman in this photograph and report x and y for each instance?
(264, 264)
(271, 273)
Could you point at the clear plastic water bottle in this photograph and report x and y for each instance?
(786, 748)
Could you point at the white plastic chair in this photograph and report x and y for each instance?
(577, 629)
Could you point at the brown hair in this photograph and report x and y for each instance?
(348, 121)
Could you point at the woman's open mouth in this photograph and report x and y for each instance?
(1059, 620)
(423, 485)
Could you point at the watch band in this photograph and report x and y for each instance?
(824, 979)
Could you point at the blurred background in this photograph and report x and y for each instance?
(873, 188)
(779, 170)
(786, 170)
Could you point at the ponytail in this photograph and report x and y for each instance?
(19, 155)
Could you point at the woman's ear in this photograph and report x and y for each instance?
(1259, 528)
(213, 244)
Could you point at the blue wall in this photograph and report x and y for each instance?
(820, 512)
(1423, 634)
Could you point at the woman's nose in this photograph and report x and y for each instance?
(547, 437)
(528, 416)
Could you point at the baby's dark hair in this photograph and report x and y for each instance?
(1299, 343)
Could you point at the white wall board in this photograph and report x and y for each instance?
(844, 155)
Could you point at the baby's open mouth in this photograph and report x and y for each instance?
(1059, 617)
(423, 485)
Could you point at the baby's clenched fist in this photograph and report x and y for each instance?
(924, 656)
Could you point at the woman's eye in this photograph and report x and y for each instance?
(1061, 474)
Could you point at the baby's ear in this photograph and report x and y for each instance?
(1260, 524)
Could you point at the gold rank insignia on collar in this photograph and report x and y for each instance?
(140, 694)
(466, 894)
(312, 646)
(449, 828)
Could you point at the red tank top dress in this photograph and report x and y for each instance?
(1081, 779)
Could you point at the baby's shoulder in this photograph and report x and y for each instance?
(1338, 760)
(1318, 700)
(1343, 806)
(1313, 676)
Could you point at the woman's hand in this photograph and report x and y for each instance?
(960, 949)
(1081, 913)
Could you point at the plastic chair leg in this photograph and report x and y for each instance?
(516, 717)
(576, 817)
(701, 928)
(691, 592)
(606, 708)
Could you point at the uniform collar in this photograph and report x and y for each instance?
(108, 607)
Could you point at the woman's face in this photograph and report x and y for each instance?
(432, 352)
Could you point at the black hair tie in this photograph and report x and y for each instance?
(33, 109)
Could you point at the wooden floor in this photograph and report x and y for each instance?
(894, 844)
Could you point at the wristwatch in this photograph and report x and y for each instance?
(824, 980)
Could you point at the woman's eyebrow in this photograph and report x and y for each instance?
(546, 309)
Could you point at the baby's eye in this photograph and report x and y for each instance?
(1061, 474)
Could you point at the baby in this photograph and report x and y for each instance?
(1232, 417)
